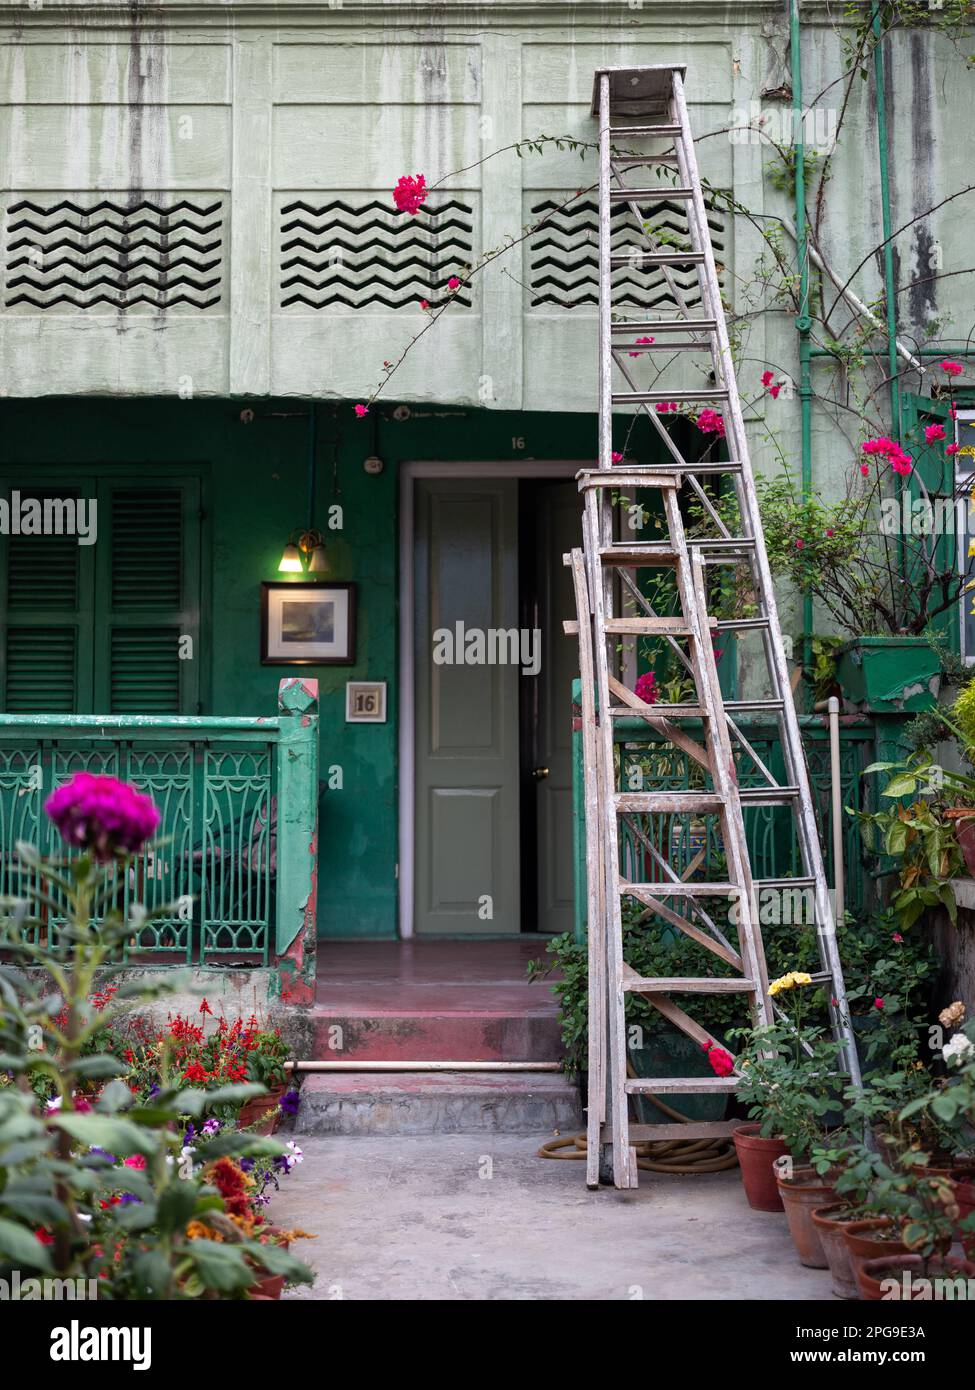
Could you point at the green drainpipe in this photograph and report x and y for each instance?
(803, 321)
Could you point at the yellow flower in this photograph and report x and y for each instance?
(790, 981)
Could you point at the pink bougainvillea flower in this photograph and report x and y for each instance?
(717, 653)
(646, 688)
(902, 464)
(774, 391)
(882, 447)
(710, 422)
(864, 468)
(933, 432)
(410, 193)
(102, 815)
(953, 412)
(361, 410)
(952, 449)
(666, 407)
(641, 340)
(722, 1063)
(135, 1161)
(617, 456)
(952, 368)
(424, 303)
(453, 283)
(830, 532)
(767, 378)
(878, 1003)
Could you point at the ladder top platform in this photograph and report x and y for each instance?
(641, 91)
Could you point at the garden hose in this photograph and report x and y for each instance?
(659, 1155)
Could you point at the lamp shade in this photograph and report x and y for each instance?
(290, 562)
(318, 564)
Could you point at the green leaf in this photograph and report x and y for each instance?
(152, 1274)
(194, 1102)
(120, 1137)
(903, 785)
(277, 1260)
(115, 1096)
(102, 1064)
(176, 1205)
(22, 1246)
(221, 1267)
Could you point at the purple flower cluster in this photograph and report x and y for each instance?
(102, 815)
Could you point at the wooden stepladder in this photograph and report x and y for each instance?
(628, 855)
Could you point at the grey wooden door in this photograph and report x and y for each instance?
(466, 802)
(558, 529)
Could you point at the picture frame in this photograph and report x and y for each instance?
(308, 623)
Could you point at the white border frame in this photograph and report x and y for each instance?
(409, 473)
(967, 416)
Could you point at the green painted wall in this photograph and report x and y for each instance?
(258, 491)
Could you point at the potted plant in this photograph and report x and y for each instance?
(789, 1085)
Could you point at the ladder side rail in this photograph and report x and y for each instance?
(596, 945)
(751, 524)
(605, 282)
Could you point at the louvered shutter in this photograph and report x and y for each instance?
(148, 610)
(47, 583)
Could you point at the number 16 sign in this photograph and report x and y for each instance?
(365, 702)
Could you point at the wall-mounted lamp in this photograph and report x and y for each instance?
(304, 546)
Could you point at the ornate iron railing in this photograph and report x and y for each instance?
(773, 849)
(233, 864)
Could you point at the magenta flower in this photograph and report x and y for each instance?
(646, 688)
(361, 410)
(666, 407)
(933, 432)
(952, 368)
(767, 378)
(952, 449)
(453, 283)
(410, 193)
(617, 456)
(102, 815)
(641, 340)
(710, 422)
(864, 468)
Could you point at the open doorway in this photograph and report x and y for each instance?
(485, 716)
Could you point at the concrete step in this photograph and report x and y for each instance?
(438, 1031)
(438, 1103)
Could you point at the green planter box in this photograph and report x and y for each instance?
(889, 674)
(673, 1053)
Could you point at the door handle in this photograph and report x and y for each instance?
(540, 773)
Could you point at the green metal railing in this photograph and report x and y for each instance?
(233, 860)
(769, 829)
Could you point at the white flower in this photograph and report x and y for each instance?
(295, 1157)
(958, 1049)
(53, 1105)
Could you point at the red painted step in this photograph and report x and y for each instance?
(465, 1001)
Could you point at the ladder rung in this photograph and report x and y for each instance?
(622, 476)
(648, 627)
(674, 394)
(693, 1129)
(635, 349)
(635, 160)
(646, 130)
(657, 258)
(752, 706)
(785, 882)
(681, 325)
(767, 796)
(683, 890)
(661, 710)
(633, 557)
(667, 801)
(722, 542)
(686, 1085)
(738, 624)
(688, 984)
(648, 195)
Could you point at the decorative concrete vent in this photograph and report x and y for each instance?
(356, 254)
(564, 254)
(84, 252)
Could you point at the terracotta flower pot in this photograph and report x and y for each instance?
(964, 818)
(800, 1194)
(864, 1243)
(269, 1286)
(899, 1277)
(755, 1158)
(830, 1224)
(267, 1109)
(965, 1194)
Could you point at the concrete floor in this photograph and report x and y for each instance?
(481, 1217)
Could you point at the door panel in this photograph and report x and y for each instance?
(466, 793)
(558, 529)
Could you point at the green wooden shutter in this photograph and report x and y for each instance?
(148, 598)
(47, 583)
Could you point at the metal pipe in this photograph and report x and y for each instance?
(420, 1066)
(803, 321)
(832, 708)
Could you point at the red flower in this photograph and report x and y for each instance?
(864, 468)
(646, 688)
(878, 1003)
(453, 283)
(952, 368)
(722, 1063)
(205, 1008)
(897, 937)
(952, 449)
(361, 410)
(933, 432)
(44, 1237)
(617, 456)
(410, 193)
(800, 544)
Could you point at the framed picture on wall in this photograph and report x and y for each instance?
(310, 624)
